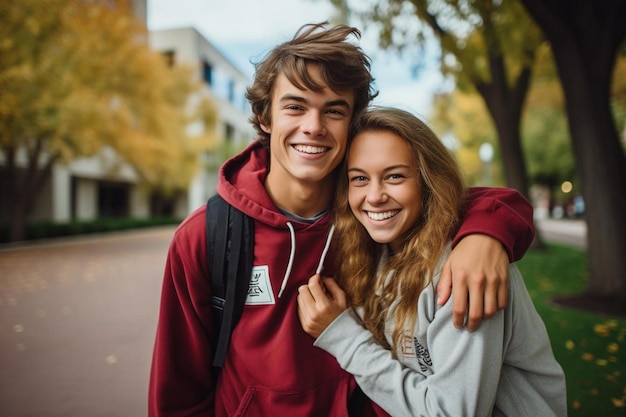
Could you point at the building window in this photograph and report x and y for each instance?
(113, 199)
(170, 58)
(231, 91)
(229, 132)
(207, 73)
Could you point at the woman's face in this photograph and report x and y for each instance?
(384, 190)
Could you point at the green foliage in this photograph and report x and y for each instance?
(589, 346)
(618, 95)
(545, 136)
(464, 116)
(546, 139)
(48, 229)
(547, 147)
(470, 33)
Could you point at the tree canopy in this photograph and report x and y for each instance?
(486, 47)
(77, 77)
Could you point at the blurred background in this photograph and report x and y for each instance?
(116, 114)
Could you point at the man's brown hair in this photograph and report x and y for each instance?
(343, 66)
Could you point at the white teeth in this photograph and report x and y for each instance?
(310, 149)
(382, 216)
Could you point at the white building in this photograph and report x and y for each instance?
(224, 84)
(104, 186)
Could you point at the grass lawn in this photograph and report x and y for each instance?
(590, 347)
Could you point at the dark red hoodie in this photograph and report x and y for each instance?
(272, 367)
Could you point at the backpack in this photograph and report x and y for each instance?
(230, 253)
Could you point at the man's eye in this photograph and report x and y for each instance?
(293, 107)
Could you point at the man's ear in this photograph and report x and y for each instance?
(267, 129)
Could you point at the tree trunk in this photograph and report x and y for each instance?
(18, 222)
(585, 37)
(23, 193)
(505, 106)
(514, 166)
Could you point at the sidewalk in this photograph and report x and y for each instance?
(567, 232)
(77, 323)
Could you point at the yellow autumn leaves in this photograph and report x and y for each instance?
(77, 77)
(615, 334)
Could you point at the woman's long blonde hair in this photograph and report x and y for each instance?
(442, 199)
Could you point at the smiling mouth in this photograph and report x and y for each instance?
(382, 216)
(310, 149)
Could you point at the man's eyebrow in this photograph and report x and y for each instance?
(292, 97)
(333, 103)
(339, 102)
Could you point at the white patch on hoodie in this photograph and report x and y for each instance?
(260, 288)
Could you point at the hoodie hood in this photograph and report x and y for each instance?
(241, 184)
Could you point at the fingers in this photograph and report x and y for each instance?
(478, 267)
(503, 279)
(336, 293)
(490, 298)
(307, 310)
(460, 295)
(319, 304)
(503, 293)
(445, 284)
(317, 288)
(485, 295)
(476, 304)
(305, 298)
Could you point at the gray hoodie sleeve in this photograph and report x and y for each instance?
(456, 373)
(463, 364)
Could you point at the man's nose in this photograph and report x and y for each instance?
(313, 124)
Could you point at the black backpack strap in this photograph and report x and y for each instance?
(230, 246)
(356, 401)
(217, 236)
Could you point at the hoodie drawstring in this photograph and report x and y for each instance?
(320, 267)
(292, 254)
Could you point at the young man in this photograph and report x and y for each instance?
(304, 96)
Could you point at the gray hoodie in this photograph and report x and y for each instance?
(505, 368)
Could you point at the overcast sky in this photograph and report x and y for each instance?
(244, 29)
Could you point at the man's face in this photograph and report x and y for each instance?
(308, 132)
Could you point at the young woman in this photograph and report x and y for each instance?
(399, 200)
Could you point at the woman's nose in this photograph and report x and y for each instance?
(376, 194)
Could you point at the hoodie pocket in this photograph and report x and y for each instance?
(328, 399)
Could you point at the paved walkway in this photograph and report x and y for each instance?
(568, 232)
(77, 323)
